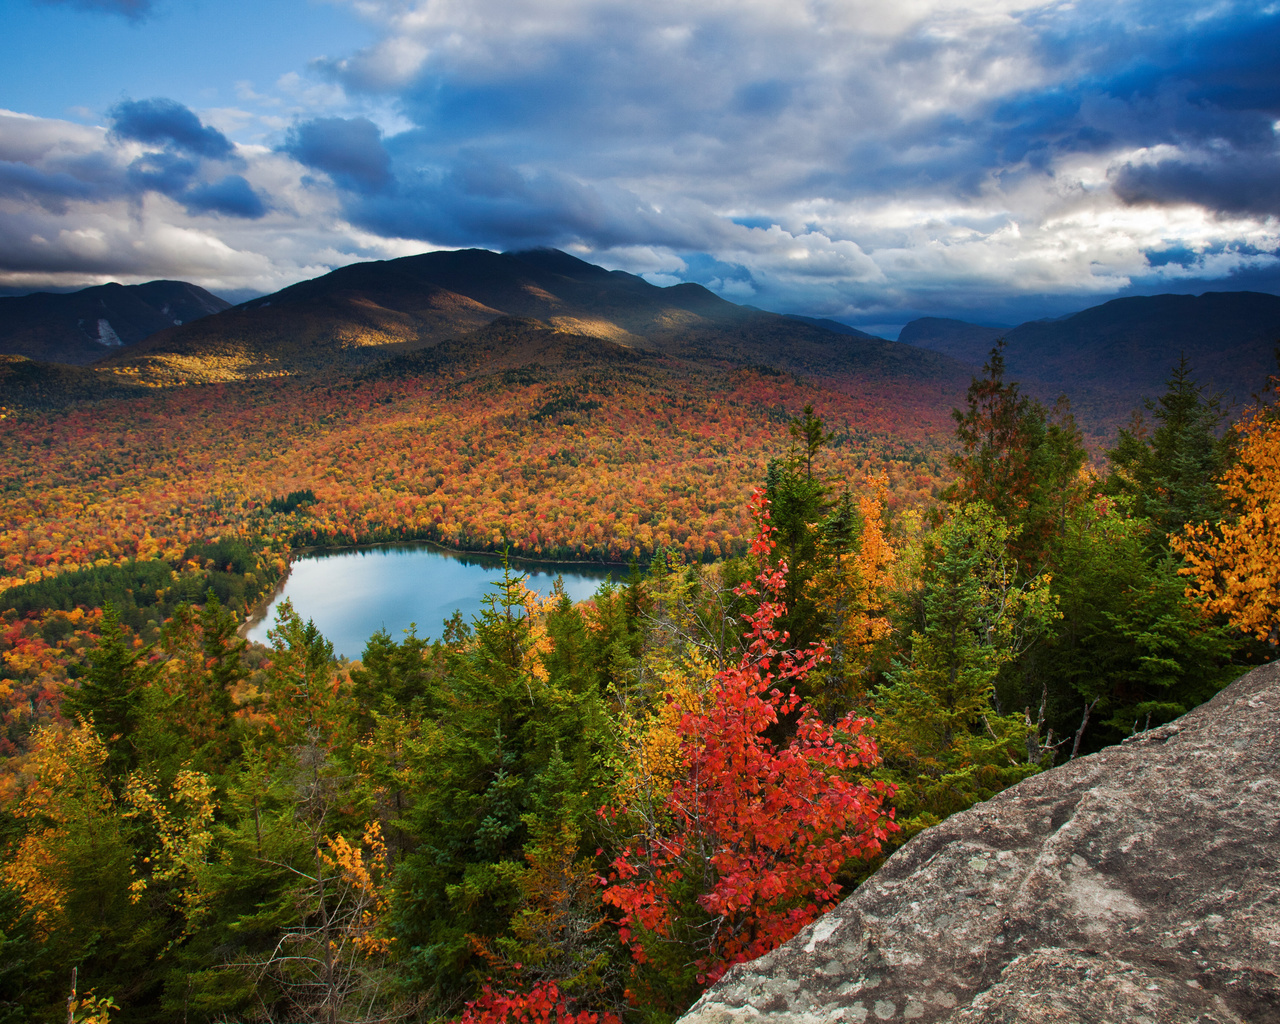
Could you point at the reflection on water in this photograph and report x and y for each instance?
(353, 594)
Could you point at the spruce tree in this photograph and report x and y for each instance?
(111, 694)
(1171, 468)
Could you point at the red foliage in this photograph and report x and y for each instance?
(542, 1004)
(761, 832)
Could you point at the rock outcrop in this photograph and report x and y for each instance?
(1140, 884)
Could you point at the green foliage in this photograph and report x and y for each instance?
(293, 501)
(944, 741)
(798, 502)
(1170, 469)
(511, 752)
(148, 591)
(111, 694)
(25, 966)
(1129, 638)
(1020, 458)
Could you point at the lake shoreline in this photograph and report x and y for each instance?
(257, 614)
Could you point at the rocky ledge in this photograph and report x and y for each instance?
(1140, 885)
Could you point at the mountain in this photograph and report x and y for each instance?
(82, 326)
(967, 342)
(835, 326)
(1107, 357)
(367, 313)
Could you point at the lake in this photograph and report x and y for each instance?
(354, 593)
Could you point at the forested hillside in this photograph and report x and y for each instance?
(843, 622)
(1106, 355)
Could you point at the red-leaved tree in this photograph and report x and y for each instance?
(746, 849)
(542, 1004)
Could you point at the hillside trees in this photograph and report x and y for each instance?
(745, 848)
(1130, 647)
(945, 741)
(504, 777)
(1170, 471)
(1232, 567)
(268, 833)
(1019, 458)
(1127, 649)
(111, 694)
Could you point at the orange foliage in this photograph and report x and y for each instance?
(1235, 567)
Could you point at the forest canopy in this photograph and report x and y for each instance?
(830, 638)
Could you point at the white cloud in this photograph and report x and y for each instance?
(835, 157)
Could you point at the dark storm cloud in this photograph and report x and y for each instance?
(178, 169)
(167, 173)
(349, 150)
(1237, 184)
(183, 159)
(53, 190)
(166, 122)
(482, 201)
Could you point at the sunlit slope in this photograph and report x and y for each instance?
(368, 312)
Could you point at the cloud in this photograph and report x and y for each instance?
(863, 160)
(232, 196)
(956, 153)
(167, 122)
(349, 150)
(134, 10)
(1237, 183)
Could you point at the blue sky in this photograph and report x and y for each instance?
(870, 160)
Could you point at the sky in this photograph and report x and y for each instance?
(866, 160)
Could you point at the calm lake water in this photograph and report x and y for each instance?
(352, 594)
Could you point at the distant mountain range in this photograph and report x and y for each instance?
(450, 312)
(80, 327)
(1107, 356)
(367, 313)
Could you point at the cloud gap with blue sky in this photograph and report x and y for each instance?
(868, 160)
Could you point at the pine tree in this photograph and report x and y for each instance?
(945, 742)
(111, 694)
(1020, 458)
(1171, 470)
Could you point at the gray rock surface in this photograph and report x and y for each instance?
(1140, 884)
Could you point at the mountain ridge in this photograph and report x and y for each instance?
(78, 328)
(1103, 355)
(367, 312)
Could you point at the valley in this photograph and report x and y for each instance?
(866, 586)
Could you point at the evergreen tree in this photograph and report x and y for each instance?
(1019, 458)
(945, 741)
(798, 503)
(1130, 645)
(517, 735)
(111, 694)
(1170, 469)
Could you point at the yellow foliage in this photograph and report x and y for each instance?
(184, 828)
(853, 591)
(91, 1009)
(1235, 567)
(66, 792)
(651, 745)
(362, 869)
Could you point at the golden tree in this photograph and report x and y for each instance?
(1235, 567)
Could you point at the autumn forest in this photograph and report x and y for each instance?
(849, 600)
